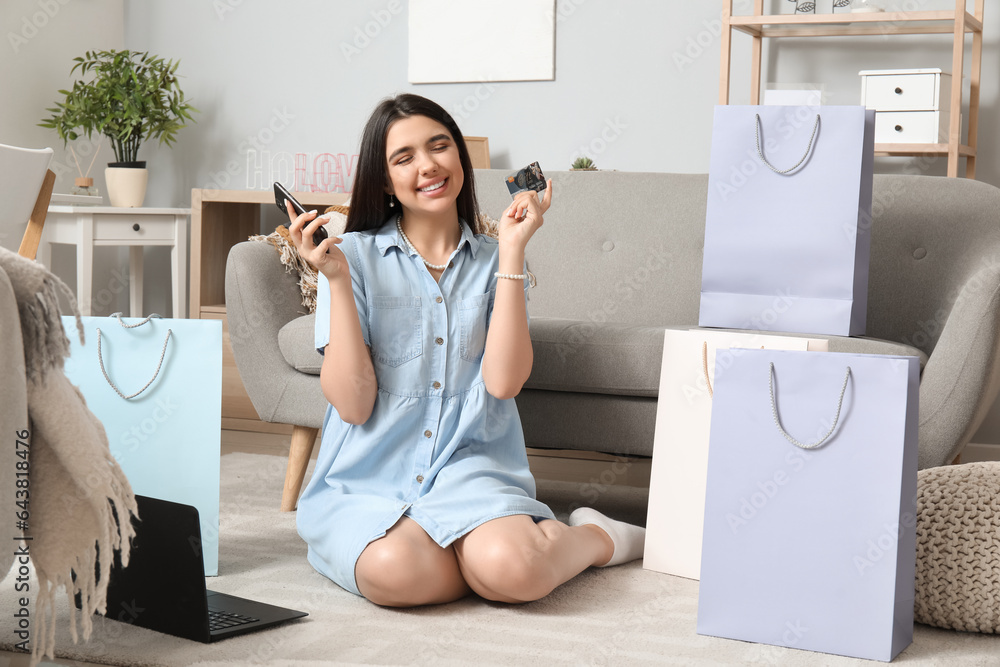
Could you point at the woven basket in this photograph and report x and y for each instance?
(958, 547)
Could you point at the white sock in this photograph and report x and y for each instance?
(629, 540)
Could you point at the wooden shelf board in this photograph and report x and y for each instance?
(940, 28)
(214, 308)
(852, 22)
(267, 197)
(884, 150)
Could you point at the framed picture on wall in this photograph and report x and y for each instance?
(454, 41)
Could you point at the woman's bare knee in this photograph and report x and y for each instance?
(513, 573)
(509, 567)
(398, 571)
(383, 571)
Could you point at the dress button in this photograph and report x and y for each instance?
(436, 385)
(420, 479)
(439, 341)
(438, 299)
(427, 434)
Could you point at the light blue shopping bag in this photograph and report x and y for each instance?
(812, 547)
(156, 385)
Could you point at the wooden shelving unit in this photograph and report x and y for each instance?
(958, 22)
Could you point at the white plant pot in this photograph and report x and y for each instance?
(126, 186)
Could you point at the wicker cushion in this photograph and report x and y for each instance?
(958, 547)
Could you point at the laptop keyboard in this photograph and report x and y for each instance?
(223, 620)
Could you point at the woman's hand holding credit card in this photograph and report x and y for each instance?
(524, 216)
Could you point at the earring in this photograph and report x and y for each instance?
(392, 202)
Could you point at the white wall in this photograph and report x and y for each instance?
(614, 77)
(40, 40)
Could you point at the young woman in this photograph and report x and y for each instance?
(421, 491)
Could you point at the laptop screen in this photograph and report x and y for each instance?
(163, 587)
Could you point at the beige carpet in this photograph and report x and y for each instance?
(615, 616)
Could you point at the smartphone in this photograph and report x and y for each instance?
(281, 195)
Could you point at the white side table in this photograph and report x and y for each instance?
(89, 226)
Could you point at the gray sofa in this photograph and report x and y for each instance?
(618, 260)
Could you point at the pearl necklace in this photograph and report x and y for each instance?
(439, 267)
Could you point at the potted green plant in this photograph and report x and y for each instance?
(131, 97)
(583, 164)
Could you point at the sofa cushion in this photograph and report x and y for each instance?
(624, 360)
(296, 340)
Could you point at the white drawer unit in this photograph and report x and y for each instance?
(911, 127)
(911, 105)
(113, 229)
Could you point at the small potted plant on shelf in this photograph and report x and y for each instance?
(583, 164)
(131, 97)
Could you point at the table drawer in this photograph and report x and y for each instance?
(122, 228)
(906, 92)
(911, 127)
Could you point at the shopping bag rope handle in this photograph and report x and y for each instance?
(760, 152)
(163, 353)
(137, 324)
(777, 422)
(704, 367)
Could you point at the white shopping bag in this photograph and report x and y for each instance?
(676, 511)
(787, 228)
(810, 506)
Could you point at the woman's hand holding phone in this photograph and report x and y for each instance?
(326, 257)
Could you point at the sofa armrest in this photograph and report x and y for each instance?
(261, 298)
(962, 376)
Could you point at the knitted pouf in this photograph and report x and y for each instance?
(958, 547)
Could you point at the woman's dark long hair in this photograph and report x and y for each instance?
(369, 201)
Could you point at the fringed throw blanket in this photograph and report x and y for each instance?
(79, 502)
(293, 262)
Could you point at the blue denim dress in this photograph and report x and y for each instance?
(437, 448)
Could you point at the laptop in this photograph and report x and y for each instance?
(163, 587)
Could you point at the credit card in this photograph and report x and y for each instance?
(529, 178)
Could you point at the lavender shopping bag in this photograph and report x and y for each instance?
(787, 221)
(809, 545)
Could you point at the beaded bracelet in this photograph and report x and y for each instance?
(511, 276)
